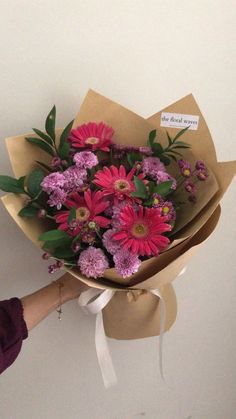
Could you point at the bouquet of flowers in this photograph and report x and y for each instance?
(120, 202)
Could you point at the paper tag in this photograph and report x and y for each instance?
(179, 120)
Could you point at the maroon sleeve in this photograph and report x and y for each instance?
(12, 331)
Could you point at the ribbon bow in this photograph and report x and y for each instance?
(93, 301)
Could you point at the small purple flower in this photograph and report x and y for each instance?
(85, 160)
(56, 162)
(200, 165)
(158, 201)
(60, 263)
(46, 256)
(151, 166)
(111, 245)
(52, 268)
(41, 213)
(164, 177)
(74, 179)
(202, 174)
(169, 211)
(57, 198)
(52, 182)
(190, 186)
(88, 238)
(126, 263)
(192, 198)
(92, 262)
(147, 151)
(185, 167)
(75, 247)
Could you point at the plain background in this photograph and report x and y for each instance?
(144, 54)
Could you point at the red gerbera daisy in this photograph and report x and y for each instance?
(87, 209)
(92, 135)
(141, 231)
(115, 181)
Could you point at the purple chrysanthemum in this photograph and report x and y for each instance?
(164, 177)
(74, 179)
(185, 167)
(85, 160)
(200, 165)
(111, 245)
(57, 198)
(126, 263)
(92, 262)
(147, 151)
(52, 182)
(151, 166)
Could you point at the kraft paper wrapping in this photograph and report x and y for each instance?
(126, 318)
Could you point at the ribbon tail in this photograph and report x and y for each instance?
(103, 354)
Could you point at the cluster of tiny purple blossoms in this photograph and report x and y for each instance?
(192, 176)
(59, 184)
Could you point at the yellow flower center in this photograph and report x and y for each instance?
(122, 185)
(92, 140)
(139, 230)
(82, 214)
(156, 201)
(187, 172)
(165, 210)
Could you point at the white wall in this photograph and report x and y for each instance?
(144, 54)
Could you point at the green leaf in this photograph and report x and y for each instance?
(182, 143)
(41, 144)
(173, 157)
(180, 146)
(164, 188)
(45, 166)
(151, 139)
(72, 215)
(169, 138)
(180, 133)
(65, 133)
(158, 149)
(34, 180)
(50, 123)
(44, 136)
(141, 190)
(21, 182)
(53, 235)
(10, 184)
(165, 160)
(63, 252)
(28, 211)
(63, 150)
(174, 152)
(133, 157)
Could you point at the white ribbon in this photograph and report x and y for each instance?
(93, 301)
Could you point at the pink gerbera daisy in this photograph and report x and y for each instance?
(115, 181)
(92, 135)
(141, 231)
(87, 209)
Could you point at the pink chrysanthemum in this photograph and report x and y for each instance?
(74, 179)
(52, 182)
(115, 181)
(92, 262)
(85, 159)
(126, 263)
(109, 243)
(57, 198)
(88, 209)
(92, 135)
(152, 165)
(141, 231)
